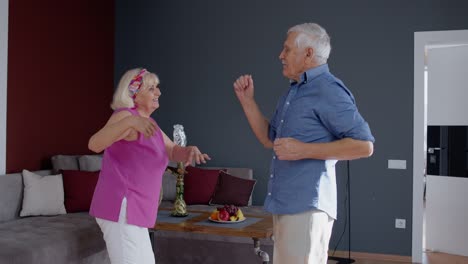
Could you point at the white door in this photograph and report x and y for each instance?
(447, 105)
(443, 105)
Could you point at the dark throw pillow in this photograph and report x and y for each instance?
(199, 185)
(78, 187)
(232, 190)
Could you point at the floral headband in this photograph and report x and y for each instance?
(135, 83)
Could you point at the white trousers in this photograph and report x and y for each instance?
(302, 238)
(126, 244)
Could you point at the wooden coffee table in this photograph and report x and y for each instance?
(261, 229)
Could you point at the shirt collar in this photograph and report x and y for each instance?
(311, 74)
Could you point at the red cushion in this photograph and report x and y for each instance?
(233, 190)
(78, 187)
(199, 185)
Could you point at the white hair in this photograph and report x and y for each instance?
(314, 36)
(122, 98)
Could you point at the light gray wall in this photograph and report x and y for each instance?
(198, 48)
(3, 80)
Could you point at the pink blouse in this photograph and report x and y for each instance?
(131, 169)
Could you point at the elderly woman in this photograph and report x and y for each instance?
(136, 153)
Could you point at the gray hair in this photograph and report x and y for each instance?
(122, 98)
(314, 36)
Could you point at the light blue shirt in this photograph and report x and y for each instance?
(318, 108)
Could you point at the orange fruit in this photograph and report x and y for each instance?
(214, 215)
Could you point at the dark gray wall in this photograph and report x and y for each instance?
(198, 48)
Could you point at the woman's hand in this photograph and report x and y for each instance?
(144, 125)
(184, 154)
(121, 125)
(192, 153)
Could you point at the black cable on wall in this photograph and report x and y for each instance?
(348, 206)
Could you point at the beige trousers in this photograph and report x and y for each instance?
(302, 238)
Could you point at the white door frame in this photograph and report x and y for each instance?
(422, 40)
(3, 80)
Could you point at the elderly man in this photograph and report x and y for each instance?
(316, 123)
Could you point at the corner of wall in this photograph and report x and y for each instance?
(3, 80)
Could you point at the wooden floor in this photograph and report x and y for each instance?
(440, 258)
(428, 258)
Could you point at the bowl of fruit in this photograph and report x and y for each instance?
(229, 214)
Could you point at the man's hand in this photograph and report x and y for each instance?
(244, 88)
(288, 149)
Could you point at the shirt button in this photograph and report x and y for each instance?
(282, 120)
(274, 157)
(269, 193)
(271, 175)
(287, 102)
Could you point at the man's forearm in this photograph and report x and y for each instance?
(343, 149)
(258, 122)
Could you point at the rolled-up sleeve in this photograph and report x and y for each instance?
(339, 114)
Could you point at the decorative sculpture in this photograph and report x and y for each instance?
(180, 208)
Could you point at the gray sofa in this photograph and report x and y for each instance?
(76, 238)
(69, 238)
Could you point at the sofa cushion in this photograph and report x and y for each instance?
(65, 162)
(244, 173)
(169, 186)
(232, 190)
(199, 185)
(78, 187)
(90, 162)
(11, 196)
(43, 195)
(70, 238)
